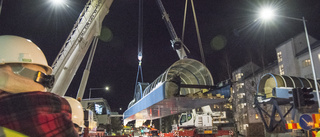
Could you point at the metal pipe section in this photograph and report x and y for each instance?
(269, 81)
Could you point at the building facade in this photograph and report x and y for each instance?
(293, 56)
(292, 60)
(244, 89)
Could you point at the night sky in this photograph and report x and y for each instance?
(115, 62)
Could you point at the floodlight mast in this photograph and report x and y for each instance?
(269, 14)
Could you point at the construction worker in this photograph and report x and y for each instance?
(77, 114)
(25, 106)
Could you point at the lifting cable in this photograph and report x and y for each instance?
(140, 42)
(184, 20)
(197, 29)
(1, 6)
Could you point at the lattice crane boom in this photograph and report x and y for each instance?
(76, 46)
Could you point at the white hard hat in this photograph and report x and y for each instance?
(77, 111)
(15, 49)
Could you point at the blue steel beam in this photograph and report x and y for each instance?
(155, 105)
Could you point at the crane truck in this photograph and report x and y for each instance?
(204, 121)
(84, 33)
(201, 123)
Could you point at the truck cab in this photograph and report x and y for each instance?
(101, 109)
(195, 120)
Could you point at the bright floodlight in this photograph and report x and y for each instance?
(107, 88)
(57, 2)
(266, 14)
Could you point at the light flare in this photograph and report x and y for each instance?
(266, 13)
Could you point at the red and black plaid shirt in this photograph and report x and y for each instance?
(37, 114)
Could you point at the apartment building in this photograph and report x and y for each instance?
(292, 60)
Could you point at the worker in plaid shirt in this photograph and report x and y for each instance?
(25, 106)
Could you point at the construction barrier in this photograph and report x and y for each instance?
(192, 133)
(316, 123)
(316, 120)
(293, 126)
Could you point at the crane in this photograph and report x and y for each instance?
(86, 28)
(84, 33)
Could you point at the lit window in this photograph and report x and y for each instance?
(241, 95)
(279, 55)
(238, 76)
(306, 63)
(243, 105)
(281, 69)
(239, 85)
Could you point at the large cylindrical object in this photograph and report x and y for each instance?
(270, 81)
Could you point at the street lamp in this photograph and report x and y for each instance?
(57, 2)
(90, 89)
(267, 14)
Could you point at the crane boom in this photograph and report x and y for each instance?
(75, 47)
(177, 44)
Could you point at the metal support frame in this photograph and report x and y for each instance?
(273, 123)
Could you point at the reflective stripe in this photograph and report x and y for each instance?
(4, 132)
(293, 126)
